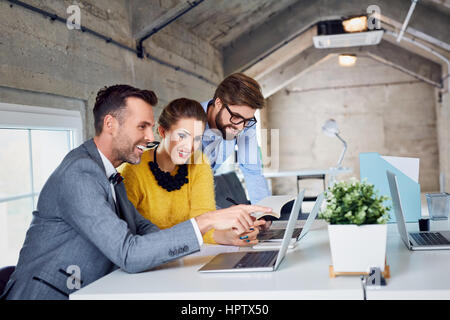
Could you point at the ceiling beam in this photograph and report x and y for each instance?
(406, 61)
(385, 52)
(281, 55)
(280, 77)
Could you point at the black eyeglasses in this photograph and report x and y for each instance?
(237, 119)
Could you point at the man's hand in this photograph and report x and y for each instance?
(237, 218)
(265, 226)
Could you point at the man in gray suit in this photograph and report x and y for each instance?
(85, 227)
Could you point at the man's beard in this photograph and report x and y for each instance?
(124, 150)
(222, 128)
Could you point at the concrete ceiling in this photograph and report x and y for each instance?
(218, 22)
(438, 5)
(256, 36)
(250, 46)
(222, 23)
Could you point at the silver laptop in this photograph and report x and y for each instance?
(274, 238)
(252, 261)
(428, 240)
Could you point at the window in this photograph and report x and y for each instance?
(33, 142)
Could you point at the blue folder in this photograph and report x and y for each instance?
(373, 167)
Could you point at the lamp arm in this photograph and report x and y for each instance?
(343, 151)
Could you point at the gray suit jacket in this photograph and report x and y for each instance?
(76, 226)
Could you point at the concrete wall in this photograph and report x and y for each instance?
(43, 63)
(377, 108)
(443, 116)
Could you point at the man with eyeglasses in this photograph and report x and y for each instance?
(231, 122)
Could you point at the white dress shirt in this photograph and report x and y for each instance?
(110, 170)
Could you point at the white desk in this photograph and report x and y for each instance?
(302, 275)
(307, 172)
(332, 172)
(414, 274)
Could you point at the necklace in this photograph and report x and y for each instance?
(165, 179)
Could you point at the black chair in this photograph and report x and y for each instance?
(5, 273)
(227, 185)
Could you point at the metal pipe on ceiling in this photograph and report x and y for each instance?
(405, 23)
(55, 17)
(140, 48)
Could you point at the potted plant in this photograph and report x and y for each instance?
(357, 227)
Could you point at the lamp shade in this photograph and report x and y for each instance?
(330, 128)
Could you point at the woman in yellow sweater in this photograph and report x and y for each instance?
(174, 181)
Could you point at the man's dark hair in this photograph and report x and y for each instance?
(112, 100)
(239, 89)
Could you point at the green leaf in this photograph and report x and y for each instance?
(354, 202)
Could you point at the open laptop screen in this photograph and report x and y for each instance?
(398, 210)
(312, 216)
(290, 228)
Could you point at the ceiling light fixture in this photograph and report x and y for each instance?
(356, 24)
(347, 60)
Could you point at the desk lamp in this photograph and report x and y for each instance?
(331, 129)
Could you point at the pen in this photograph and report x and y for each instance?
(232, 201)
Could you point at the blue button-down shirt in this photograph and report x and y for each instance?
(218, 150)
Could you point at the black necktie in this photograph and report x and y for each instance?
(115, 179)
(122, 201)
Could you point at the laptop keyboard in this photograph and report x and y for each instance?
(256, 259)
(277, 234)
(430, 238)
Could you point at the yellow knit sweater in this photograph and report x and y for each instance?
(166, 209)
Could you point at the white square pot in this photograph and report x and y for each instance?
(357, 248)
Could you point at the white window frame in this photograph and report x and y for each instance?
(15, 116)
(21, 116)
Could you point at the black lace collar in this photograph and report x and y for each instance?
(165, 179)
